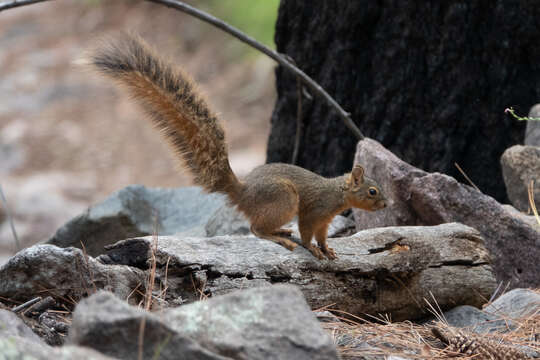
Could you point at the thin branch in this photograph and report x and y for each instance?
(299, 123)
(140, 342)
(16, 3)
(201, 15)
(345, 116)
(27, 304)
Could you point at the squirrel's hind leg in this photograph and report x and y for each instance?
(269, 228)
(286, 243)
(283, 232)
(272, 211)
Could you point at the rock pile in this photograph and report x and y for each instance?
(211, 290)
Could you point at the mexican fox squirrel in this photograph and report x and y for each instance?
(272, 194)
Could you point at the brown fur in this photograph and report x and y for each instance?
(271, 195)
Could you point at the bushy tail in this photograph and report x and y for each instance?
(175, 107)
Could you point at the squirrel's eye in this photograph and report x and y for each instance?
(372, 191)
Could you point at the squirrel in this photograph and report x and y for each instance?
(272, 194)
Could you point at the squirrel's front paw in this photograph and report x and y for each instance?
(330, 253)
(316, 252)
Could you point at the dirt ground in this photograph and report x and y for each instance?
(69, 138)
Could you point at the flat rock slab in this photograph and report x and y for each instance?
(67, 273)
(387, 270)
(421, 198)
(266, 323)
(138, 211)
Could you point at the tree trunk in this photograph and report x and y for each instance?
(429, 80)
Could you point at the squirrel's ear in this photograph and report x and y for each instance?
(357, 175)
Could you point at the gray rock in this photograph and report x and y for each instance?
(64, 274)
(420, 198)
(14, 347)
(12, 325)
(499, 316)
(527, 219)
(326, 316)
(515, 304)
(395, 178)
(387, 270)
(227, 221)
(341, 225)
(520, 166)
(475, 319)
(266, 323)
(103, 317)
(532, 132)
(137, 211)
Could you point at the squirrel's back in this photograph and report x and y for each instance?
(294, 173)
(310, 187)
(175, 107)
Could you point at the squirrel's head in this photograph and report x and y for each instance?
(362, 192)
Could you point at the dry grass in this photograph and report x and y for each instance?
(530, 190)
(148, 298)
(417, 341)
(359, 338)
(466, 177)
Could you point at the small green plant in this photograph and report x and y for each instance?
(512, 112)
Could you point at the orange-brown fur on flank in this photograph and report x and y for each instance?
(272, 194)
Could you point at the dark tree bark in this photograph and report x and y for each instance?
(429, 80)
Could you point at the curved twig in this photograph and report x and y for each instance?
(176, 4)
(299, 123)
(179, 5)
(16, 3)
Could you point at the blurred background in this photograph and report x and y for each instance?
(69, 138)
